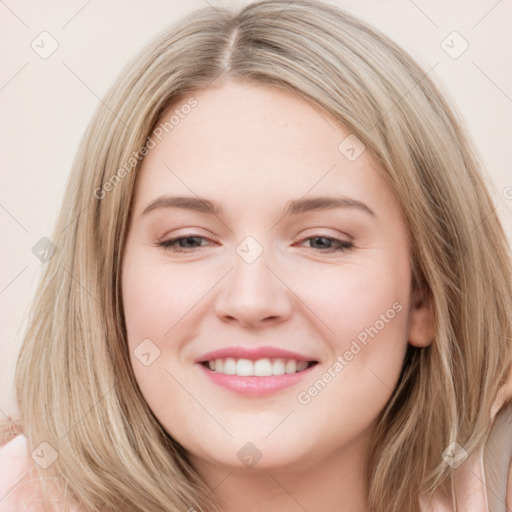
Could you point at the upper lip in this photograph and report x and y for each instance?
(252, 354)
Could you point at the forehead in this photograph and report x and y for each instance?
(244, 143)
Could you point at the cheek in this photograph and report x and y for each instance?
(351, 298)
(364, 315)
(156, 296)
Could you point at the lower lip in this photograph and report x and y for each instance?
(256, 386)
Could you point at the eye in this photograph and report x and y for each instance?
(191, 242)
(339, 245)
(175, 244)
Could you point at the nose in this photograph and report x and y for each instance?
(254, 295)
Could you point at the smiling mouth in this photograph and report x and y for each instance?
(264, 367)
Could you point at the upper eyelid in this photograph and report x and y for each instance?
(317, 231)
(304, 237)
(341, 246)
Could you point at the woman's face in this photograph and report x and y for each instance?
(268, 272)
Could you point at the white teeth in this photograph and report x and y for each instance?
(278, 367)
(219, 365)
(229, 366)
(302, 365)
(261, 368)
(291, 366)
(244, 367)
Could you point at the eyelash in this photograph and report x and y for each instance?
(343, 246)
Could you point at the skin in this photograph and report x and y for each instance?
(253, 148)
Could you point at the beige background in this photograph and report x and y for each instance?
(47, 103)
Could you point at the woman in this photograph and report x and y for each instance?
(337, 334)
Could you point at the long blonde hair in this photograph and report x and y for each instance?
(74, 383)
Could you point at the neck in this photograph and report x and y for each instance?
(316, 484)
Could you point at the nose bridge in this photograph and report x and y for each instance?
(252, 291)
(251, 273)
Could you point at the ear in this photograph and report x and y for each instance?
(420, 331)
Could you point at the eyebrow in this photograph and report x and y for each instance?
(293, 207)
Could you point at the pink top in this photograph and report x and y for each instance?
(19, 491)
(474, 493)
